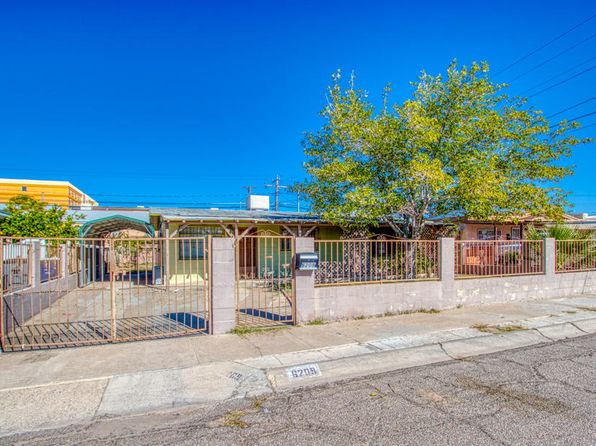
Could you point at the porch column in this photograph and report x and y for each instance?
(305, 284)
(223, 285)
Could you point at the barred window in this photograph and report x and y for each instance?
(191, 246)
(285, 244)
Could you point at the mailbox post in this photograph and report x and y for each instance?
(306, 261)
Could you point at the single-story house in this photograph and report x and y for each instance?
(470, 229)
(180, 223)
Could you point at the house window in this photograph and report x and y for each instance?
(516, 233)
(191, 249)
(23, 188)
(191, 243)
(488, 234)
(285, 244)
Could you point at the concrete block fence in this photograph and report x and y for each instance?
(370, 299)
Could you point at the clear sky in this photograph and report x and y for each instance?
(182, 103)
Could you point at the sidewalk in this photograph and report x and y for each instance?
(50, 388)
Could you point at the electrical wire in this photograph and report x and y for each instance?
(556, 56)
(563, 81)
(524, 57)
(571, 107)
(546, 81)
(578, 117)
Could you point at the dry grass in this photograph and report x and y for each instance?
(243, 331)
(257, 403)
(318, 321)
(234, 419)
(498, 329)
(398, 313)
(429, 311)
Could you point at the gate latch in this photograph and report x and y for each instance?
(307, 261)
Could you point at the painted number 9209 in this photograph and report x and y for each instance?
(304, 371)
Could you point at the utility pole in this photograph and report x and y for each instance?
(277, 187)
(249, 189)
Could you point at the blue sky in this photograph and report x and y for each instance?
(183, 103)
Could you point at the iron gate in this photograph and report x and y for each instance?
(265, 281)
(71, 292)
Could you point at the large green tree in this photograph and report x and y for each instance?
(28, 217)
(458, 146)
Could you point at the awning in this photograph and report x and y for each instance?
(103, 226)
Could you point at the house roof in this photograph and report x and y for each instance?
(233, 216)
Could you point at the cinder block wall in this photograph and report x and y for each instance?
(345, 301)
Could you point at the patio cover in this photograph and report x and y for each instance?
(102, 226)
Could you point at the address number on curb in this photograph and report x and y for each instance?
(304, 371)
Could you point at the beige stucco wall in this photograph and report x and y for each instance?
(470, 230)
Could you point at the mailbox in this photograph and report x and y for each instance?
(307, 261)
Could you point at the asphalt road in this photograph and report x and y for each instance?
(540, 395)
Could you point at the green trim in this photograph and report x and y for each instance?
(84, 230)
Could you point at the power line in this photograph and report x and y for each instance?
(162, 196)
(122, 173)
(571, 107)
(524, 57)
(563, 81)
(557, 76)
(583, 116)
(578, 117)
(150, 195)
(583, 127)
(559, 54)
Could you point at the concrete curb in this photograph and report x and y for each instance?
(405, 357)
(25, 409)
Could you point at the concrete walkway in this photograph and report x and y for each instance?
(50, 388)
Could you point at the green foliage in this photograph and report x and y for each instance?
(458, 146)
(243, 331)
(558, 231)
(28, 217)
(575, 253)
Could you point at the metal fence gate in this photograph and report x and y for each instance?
(71, 292)
(265, 281)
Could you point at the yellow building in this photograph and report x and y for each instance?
(60, 193)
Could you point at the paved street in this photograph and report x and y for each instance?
(543, 394)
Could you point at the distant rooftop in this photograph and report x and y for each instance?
(49, 183)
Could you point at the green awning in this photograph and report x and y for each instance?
(102, 226)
